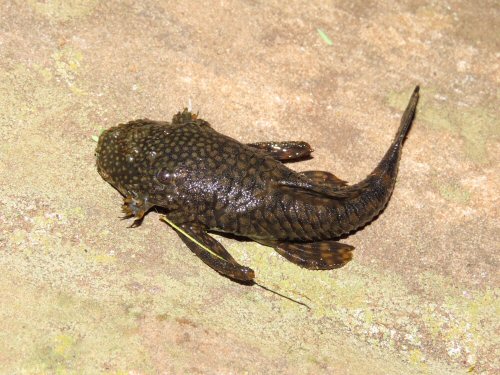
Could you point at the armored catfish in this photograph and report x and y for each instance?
(206, 181)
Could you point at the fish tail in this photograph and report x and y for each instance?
(350, 207)
(408, 115)
(371, 195)
(390, 162)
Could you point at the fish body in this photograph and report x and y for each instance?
(205, 181)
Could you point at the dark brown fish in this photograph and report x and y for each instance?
(208, 181)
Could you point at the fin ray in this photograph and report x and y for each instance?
(211, 251)
(323, 255)
(323, 177)
(285, 150)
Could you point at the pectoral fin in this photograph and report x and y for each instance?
(316, 255)
(212, 252)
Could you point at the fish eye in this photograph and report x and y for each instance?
(164, 176)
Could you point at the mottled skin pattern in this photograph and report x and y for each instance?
(208, 181)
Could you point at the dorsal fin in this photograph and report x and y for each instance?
(319, 191)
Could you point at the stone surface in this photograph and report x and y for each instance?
(82, 293)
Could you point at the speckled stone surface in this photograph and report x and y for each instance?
(82, 293)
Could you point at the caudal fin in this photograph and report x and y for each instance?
(408, 115)
(388, 166)
(371, 195)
